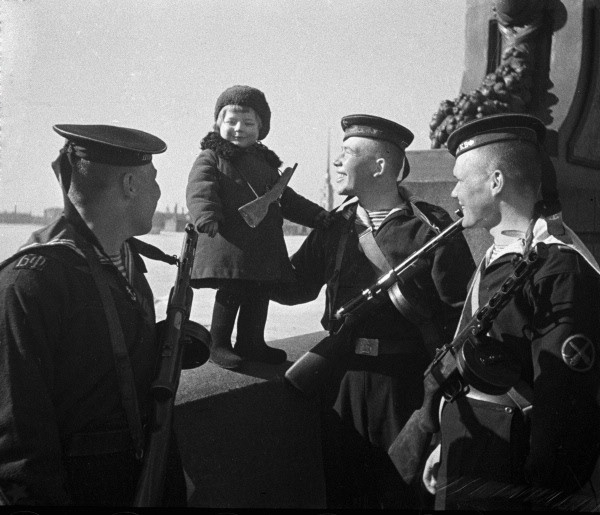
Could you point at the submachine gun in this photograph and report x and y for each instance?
(311, 370)
(471, 359)
(164, 388)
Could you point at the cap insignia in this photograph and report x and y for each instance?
(466, 144)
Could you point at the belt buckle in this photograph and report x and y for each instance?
(366, 347)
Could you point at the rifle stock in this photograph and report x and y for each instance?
(150, 485)
(311, 370)
(253, 212)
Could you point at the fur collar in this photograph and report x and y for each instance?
(227, 150)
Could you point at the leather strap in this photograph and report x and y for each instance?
(120, 354)
(380, 263)
(521, 394)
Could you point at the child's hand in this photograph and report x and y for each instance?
(323, 220)
(210, 228)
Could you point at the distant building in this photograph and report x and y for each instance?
(14, 217)
(170, 221)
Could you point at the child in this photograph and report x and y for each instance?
(241, 262)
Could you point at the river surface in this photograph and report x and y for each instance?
(283, 321)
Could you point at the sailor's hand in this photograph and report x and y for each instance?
(210, 228)
(431, 470)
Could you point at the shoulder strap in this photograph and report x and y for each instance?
(151, 252)
(429, 331)
(121, 356)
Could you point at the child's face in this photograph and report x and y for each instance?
(240, 127)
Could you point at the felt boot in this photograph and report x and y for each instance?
(251, 331)
(225, 310)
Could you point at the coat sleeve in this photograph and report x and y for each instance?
(202, 192)
(451, 272)
(565, 418)
(299, 209)
(30, 451)
(309, 264)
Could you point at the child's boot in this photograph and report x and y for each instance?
(251, 331)
(225, 310)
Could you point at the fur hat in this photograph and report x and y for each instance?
(249, 97)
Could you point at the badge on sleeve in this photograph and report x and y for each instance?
(31, 262)
(578, 352)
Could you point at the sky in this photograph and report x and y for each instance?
(159, 66)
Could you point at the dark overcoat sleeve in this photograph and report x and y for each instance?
(310, 264)
(30, 448)
(202, 192)
(298, 209)
(451, 271)
(565, 419)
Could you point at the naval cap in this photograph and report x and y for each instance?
(111, 145)
(375, 127)
(495, 129)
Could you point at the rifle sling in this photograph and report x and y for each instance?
(521, 394)
(152, 252)
(122, 363)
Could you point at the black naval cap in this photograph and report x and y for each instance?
(375, 127)
(111, 145)
(495, 129)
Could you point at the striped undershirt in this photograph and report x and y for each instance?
(121, 260)
(377, 217)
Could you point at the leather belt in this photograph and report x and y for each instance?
(98, 442)
(379, 346)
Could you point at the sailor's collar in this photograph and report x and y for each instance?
(541, 234)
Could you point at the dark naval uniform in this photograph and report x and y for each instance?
(65, 437)
(75, 395)
(538, 443)
(552, 444)
(378, 390)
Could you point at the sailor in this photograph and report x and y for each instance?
(378, 227)
(74, 396)
(544, 434)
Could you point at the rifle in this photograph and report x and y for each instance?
(150, 485)
(469, 359)
(311, 370)
(253, 212)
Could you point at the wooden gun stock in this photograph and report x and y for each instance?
(254, 212)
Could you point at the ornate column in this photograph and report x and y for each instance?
(510, 87)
